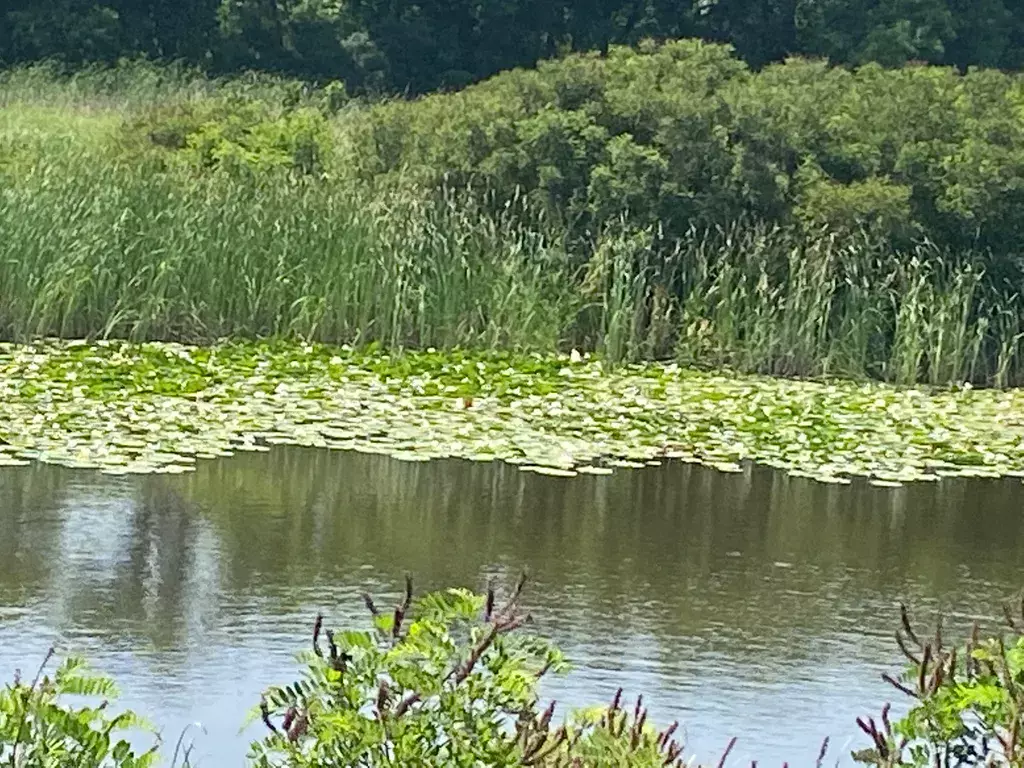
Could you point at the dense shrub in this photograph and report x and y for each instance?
(449, 679)
(40, 728)
(684, 135)
(968, 703)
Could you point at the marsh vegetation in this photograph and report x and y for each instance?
(664, 202)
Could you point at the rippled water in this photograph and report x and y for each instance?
(750, 605)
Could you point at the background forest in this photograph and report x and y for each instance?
(404, 46)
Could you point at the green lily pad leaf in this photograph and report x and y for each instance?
(832, 480)
(408, 456)
(548, 471)
(595, 470)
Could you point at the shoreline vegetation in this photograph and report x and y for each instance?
(452, 678)
(752, 258)
(161, 407)
(662, 202)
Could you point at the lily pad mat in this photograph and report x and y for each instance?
(158, 407)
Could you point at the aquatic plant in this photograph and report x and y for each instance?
(121, 407)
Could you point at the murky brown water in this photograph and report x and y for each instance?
(749, 605)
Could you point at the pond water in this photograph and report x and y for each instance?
(750, 605)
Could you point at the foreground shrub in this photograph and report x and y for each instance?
(453, 679)
(968, 701)
(444, 680)
(39, 728)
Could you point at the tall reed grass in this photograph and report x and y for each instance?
(778, 301)
(116, 251)
(98, 242)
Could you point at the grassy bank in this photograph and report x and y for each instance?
(163, 407)
(667, 204)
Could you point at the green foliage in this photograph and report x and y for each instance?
(654, 202)
(39, 729)
(419, 47)
(683, 135)
(445, 680)
(453, 678)
(238, 135)
(968, 702)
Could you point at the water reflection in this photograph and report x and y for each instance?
(724, 599)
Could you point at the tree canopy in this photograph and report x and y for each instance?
(403, 46)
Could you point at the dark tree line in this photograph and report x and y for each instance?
(420, 46)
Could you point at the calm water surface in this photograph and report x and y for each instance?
(749, 605)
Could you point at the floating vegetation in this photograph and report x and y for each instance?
(155, 407)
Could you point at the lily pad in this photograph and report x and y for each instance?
(146, 407)
(549, 471)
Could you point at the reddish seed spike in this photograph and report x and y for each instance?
(521, 583)
(905, 619)
(638, 727)
(898, 685)
(265, 715)
(299, 727)
(545, 719)
(728, 749)
(667, 734)
(617, 700)
(332, 646)
(489, 610)
(906, 651)
(369, 604)
(317, 626)
(937, 678)
(396, 623)
(822, 752)
(923, 670)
